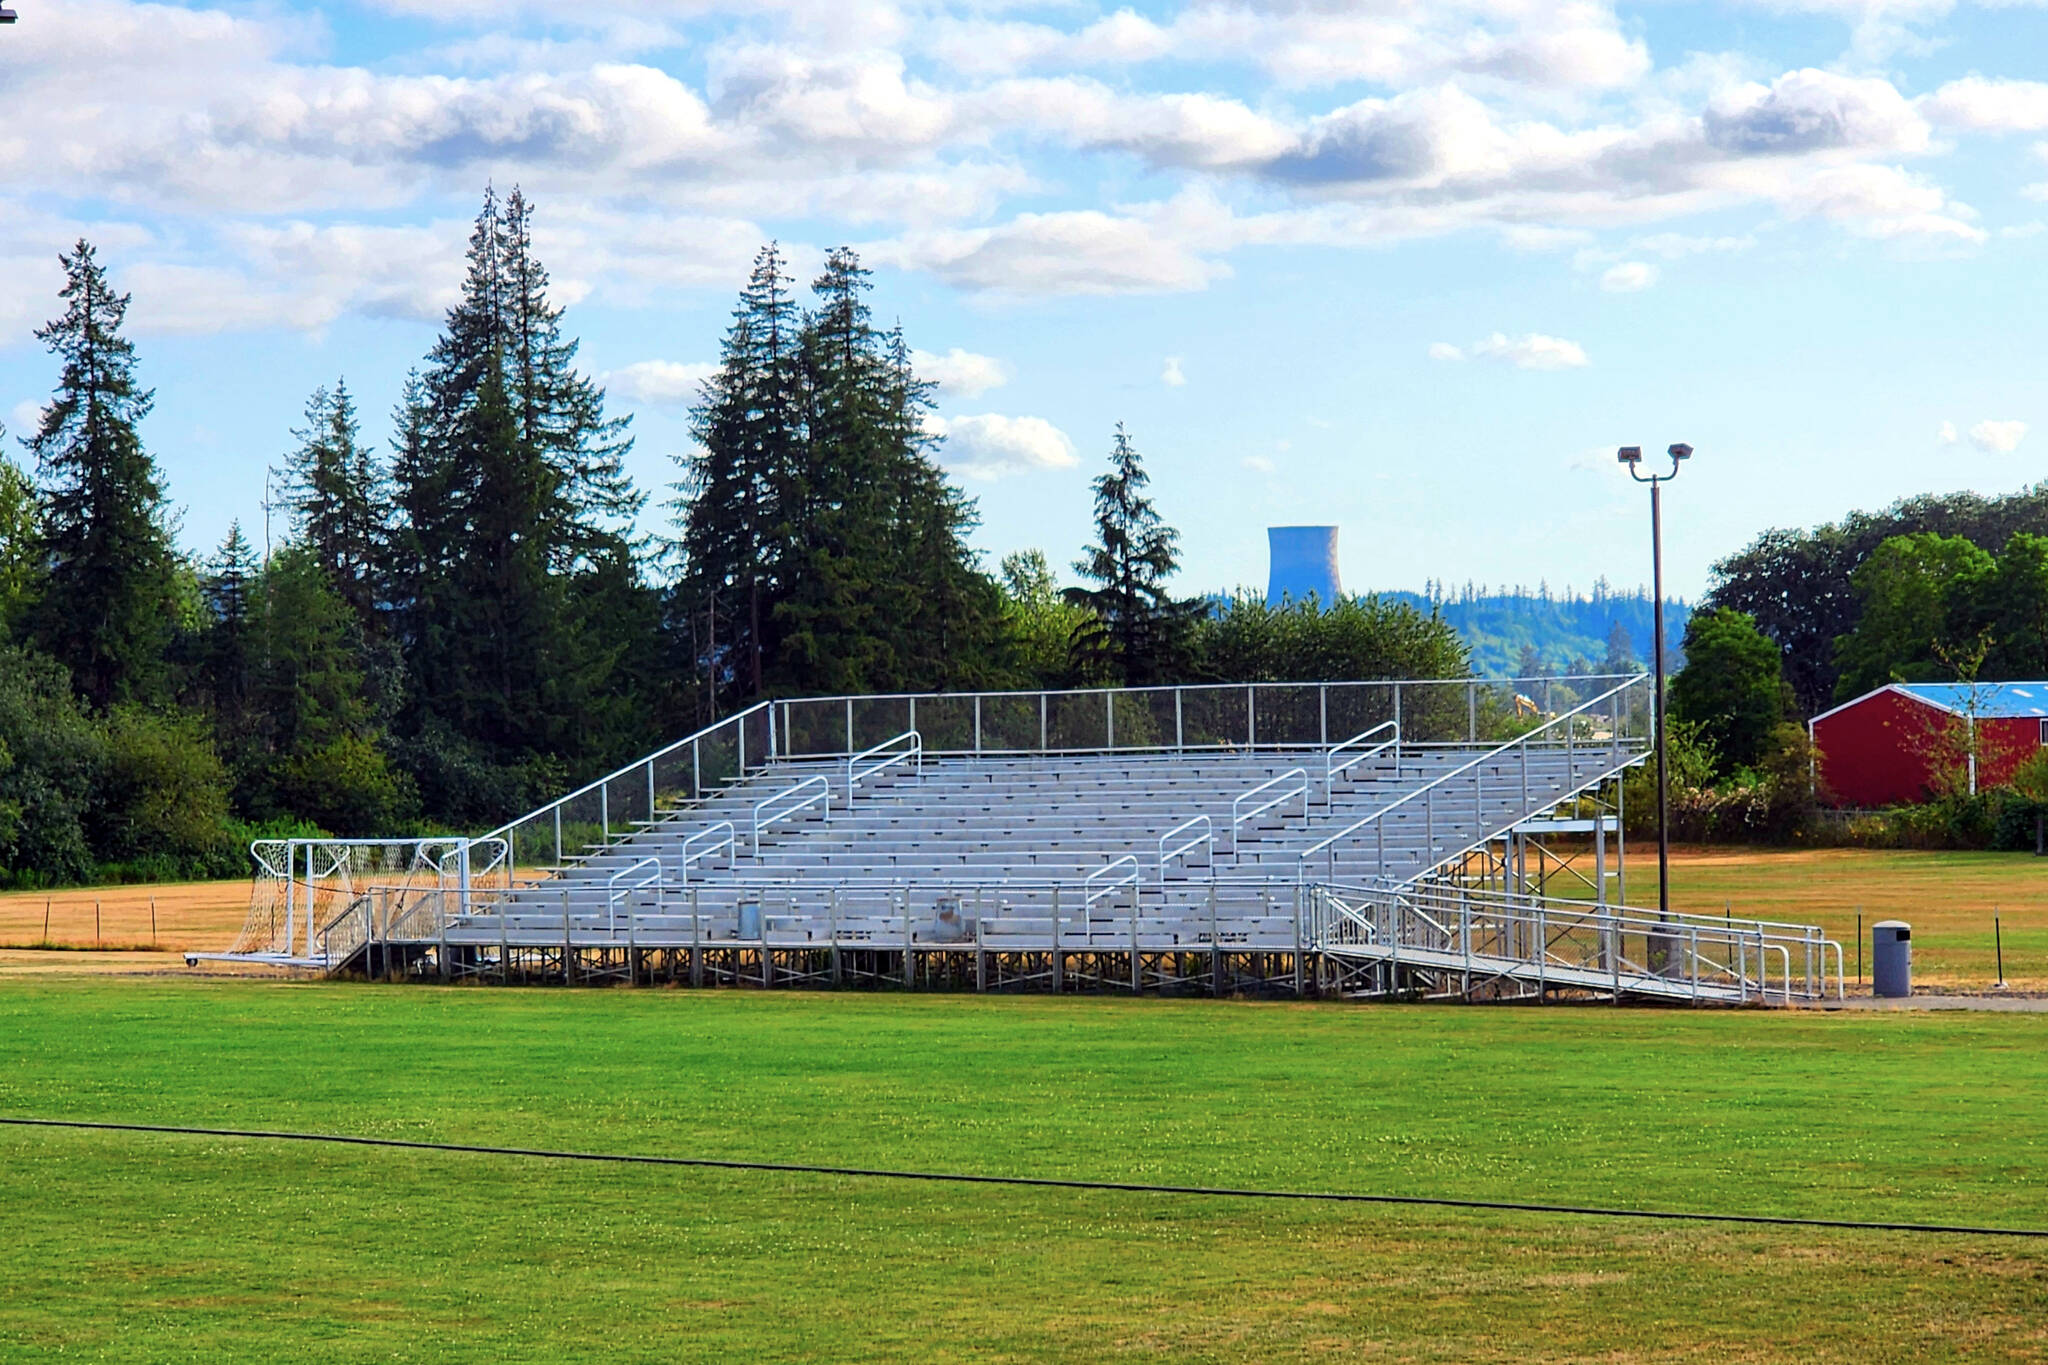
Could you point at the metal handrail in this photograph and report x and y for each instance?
(1428, 790)
(644, 761)
(1557, 914)
(1332, 770)
(762, 815)
(614, 892)
(915, 754)
(1136, 874)
(1300, 789)
(1207, 836)
(730, 843)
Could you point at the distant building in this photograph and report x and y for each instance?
(1304, 562)
(1892, 745)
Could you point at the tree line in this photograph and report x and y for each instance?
(481, 610)
(1949, 588)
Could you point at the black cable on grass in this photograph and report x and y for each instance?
(1029, 1181)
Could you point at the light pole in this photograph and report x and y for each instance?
(1632, 456)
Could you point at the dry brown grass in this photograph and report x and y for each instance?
(189, 916)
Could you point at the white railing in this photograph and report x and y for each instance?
(800, 796)
(1547, 942)
(599, 812)
(637, 878)
(1297, 777)
(1093, 893)
(1562, 732)
(1360, 753)
(907, 747)
(1188, 845)
(1228, 716)
(711, 843)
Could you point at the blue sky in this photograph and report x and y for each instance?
(1412, 268)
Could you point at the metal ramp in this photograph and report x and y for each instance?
(1447, 939)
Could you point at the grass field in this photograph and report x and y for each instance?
(1948, 898)
(133, 1247)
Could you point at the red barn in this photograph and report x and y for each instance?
(1891, 745)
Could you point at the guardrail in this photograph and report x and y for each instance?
(1332, 769)
(1550, 942)
(789, 801)
(1474, 770)
(708, 836)
(884, 756)
(1186, 846)
(1238, 815)
(1089, 897)
(1230, 716)
(597, 812)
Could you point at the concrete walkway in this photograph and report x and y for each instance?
(2009, 1002)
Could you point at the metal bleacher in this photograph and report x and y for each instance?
(1341, 838)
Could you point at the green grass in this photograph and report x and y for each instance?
(137, 1247)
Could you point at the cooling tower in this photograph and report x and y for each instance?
(1304, 562)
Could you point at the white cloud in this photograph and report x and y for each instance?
(1079, 252)
(23, 421)
(659, 383)
(990, 446)
(285, 190)
(1258, 464)
(1443, 350)
(1977, 105)
(961, 374)
(1532, 351)
(1172, 375)
(1947, 435)
(2000, 438)
(1628, 277)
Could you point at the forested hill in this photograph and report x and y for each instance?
(1536, 633)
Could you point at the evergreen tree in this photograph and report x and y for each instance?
(1621, 650)
(20, 544)
(742, 488)
(106, 607)
(516, 505)
(225, 646)
(1142, 626)
(337, 500)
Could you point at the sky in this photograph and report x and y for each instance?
(1414, 269)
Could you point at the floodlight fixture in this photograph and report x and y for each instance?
(7, 16)
(1630, 455)
(1681, 451)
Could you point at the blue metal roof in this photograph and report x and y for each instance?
(2005, 699)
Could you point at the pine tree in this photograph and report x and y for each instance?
(225, 645)
(111, 581)
(516, 511)
(742, 487)
(337, 499)
(1143, 628)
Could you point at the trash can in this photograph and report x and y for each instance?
(750, 919)
(1891, 958)
(948, 924)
